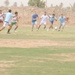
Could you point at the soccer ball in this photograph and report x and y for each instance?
(56, 28)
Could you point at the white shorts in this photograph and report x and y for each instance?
(6, 24)
(34, 23)
(62, 24)
(43, 22)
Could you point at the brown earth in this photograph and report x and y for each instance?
(33, 43)
(25, 19)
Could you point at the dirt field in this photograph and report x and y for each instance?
(33, 43)
(30, 56)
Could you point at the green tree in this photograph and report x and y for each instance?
(38, 3)
(6, 3)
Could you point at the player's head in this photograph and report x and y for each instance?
(53, 15)
(45, 13)
(16, 13)
(34, 11)
(62, 15)
(10, 10)
(0, 11)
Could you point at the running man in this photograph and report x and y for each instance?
(14, 22)
(1, 17)
(34, 19)
(52, 19)
(44, 20)
(62, 20)
(8, 17)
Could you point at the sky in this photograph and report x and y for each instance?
(49, 2)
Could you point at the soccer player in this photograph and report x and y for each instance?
(1, 17)
(8, 17)
(14, 22)
(44, 20)
(62, 20)
(34, 19)
(52, 19)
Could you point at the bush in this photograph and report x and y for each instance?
(38, 3)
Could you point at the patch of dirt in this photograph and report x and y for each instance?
(33, 43)
(6, 61)
(5, 73)
(62, 55)
(6, 64)
(70, 57)
(35, 60)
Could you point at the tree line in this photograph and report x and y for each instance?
(38, 3)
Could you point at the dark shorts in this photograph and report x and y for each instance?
(52, 22)
(34, 22)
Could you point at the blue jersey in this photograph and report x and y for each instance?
(8, 16)
(62, 19)
(34, 16)
(52, 18)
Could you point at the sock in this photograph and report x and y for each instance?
(8, 30)
(15, 29)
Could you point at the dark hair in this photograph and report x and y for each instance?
(53, 14)
(10, 11)
(16, 12)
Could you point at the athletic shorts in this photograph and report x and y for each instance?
(6, 24)
(52, 22)
(1, 21)
(13, 23)
(34, 23)
(42, 22)
(62, 24)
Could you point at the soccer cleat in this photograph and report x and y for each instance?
(15, 31)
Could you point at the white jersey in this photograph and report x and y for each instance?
(1, 17)
(14, 19)
(44, 18)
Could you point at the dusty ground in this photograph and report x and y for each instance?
(23, 12)
(33, 43)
